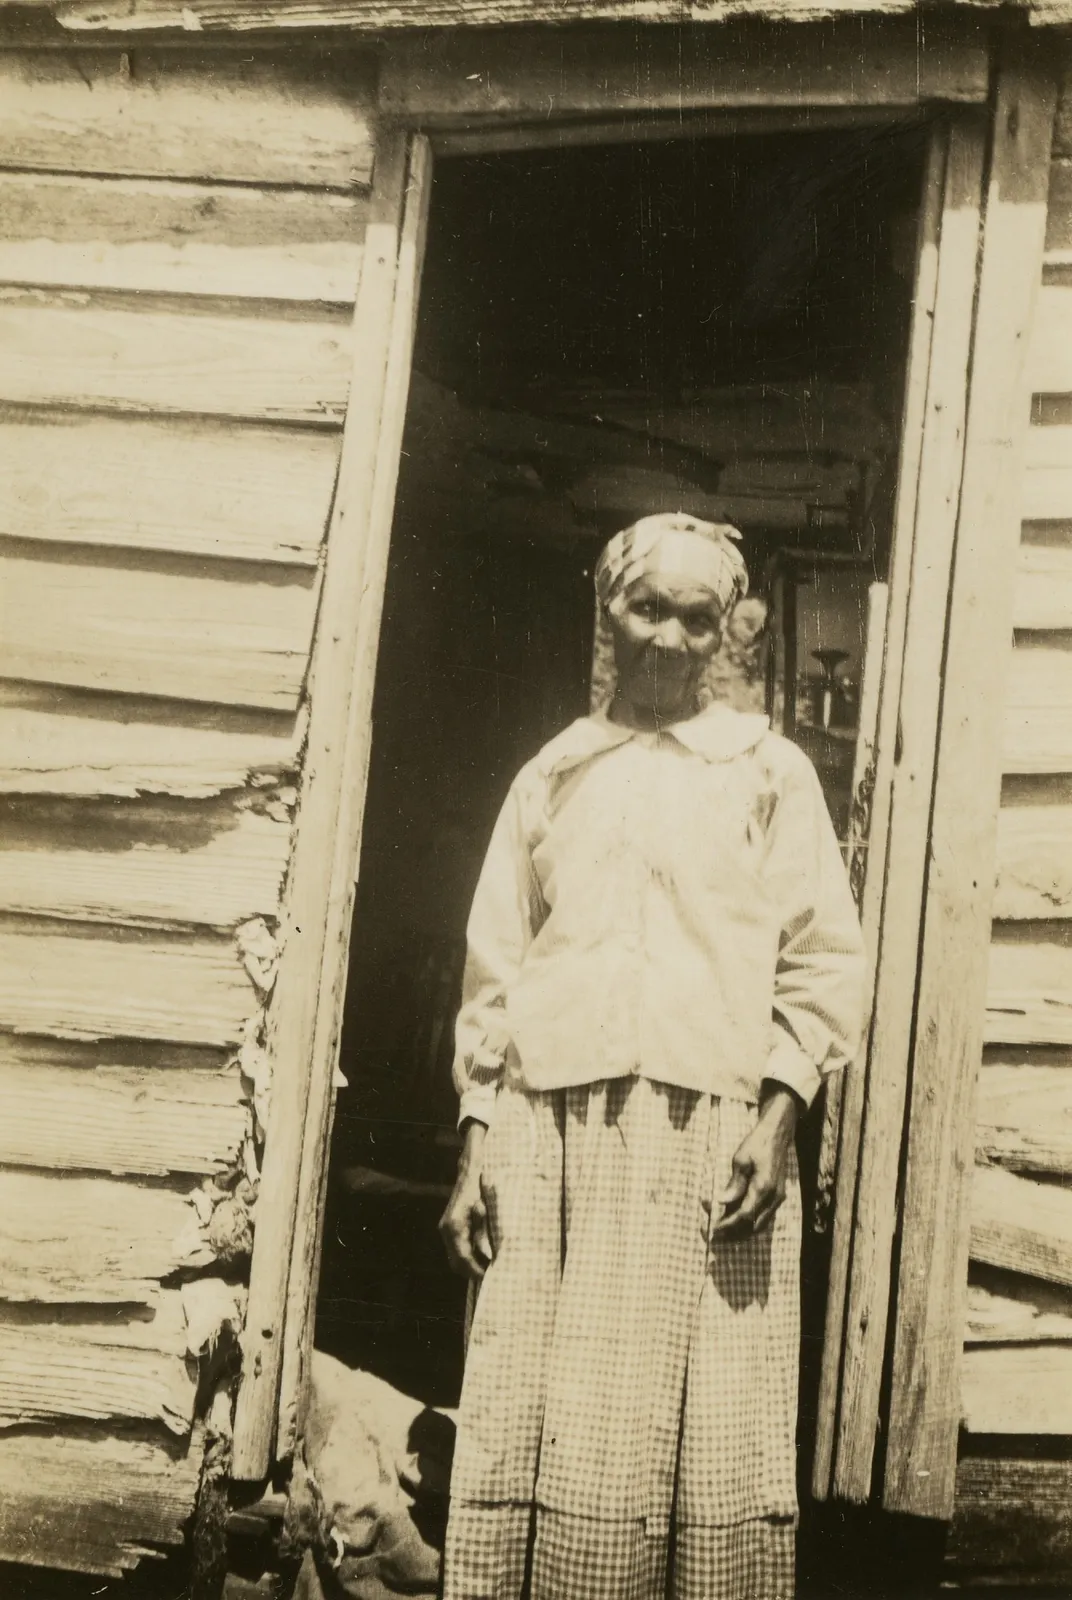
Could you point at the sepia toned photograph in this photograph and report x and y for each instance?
(536, 795)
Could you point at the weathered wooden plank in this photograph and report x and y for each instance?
(1044, 582)
(95, 1241)
(1012, 1521)
(1006, 1309)
(122, 1120)
(1021, 1225)
(1029, 990)
(93, 1501)
(215, 489)
(1024, 1118)
(1050, 350)
(180, 238)
(48, 1373)
(455, 76)
(84, 983)
(254, 118)
(921, 1440)
(1037, 735)
(1047, 492)
(57, 742)
(909, 723)
(152, 864)
(227, 635)
(1017, 1388)
(1034, 851)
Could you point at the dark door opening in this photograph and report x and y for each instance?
(716, 325)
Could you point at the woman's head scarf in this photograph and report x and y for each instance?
(704, 553)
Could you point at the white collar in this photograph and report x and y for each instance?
(718, 734)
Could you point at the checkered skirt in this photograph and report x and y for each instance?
(628, 1414)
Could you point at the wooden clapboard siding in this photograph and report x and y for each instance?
(94, 1500)
(1044, 582)
(250, 118)
(82, 982)
(1004, 1308)
(1029, 995)
(1047, 490)
(53, 742)
(122, 1120)
(1021, 1225)
(230, 635)
(1034, 849)
(74, 348)
(1024, 1118)
(179, 238)
(1013, 1522)
(1050, 351)
(1023, 1389)
(179, 864)
(95, 1241)
(1038, 705)
(49, 1372)
(215, 489)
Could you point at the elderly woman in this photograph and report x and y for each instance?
(664, 961)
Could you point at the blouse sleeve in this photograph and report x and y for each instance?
(505, 912)
(820, 989)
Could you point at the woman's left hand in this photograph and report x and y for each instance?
(760, 1168)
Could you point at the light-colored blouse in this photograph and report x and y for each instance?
(669, 905)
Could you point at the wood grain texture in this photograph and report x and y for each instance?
(909, 724)
(216, 489)
(1044, 583)
(1037, 734)
(283, 119)
(94, 1241)
(67, 348)
(49, 1373)
(1047, 493)
(1024, 1118)
(1012, 1522)
(1029, 991)
(1021, 1225)
(152, 236)
(1017, 1389)
(230, 636)
(64, 743)
(1034, 852)
(83, 983)
(921, 1442)
(90, 1500)
(122, 1120)
(1050, 350)
(1006, 1309)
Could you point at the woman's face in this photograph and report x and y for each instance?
(664, 635)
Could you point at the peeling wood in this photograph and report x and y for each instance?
(66, 743)
(1017, 1389)
(1029, 994)
(180, 238)
(91, 1501)
(81, 982)
(215, 489)
(1034, 854)
(95, 1241)
(123, 1120)
(74, 348)
(1021, 1225)
(1004, 1308)
(49, 1373)
(287, 119)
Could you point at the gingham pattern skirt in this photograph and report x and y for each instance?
(628, 1414)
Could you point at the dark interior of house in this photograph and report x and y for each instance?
(717, 325)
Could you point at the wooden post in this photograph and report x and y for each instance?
(305, 1258)
(931, 1288)
(907, 742)
(336, 652)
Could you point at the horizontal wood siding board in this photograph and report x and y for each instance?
(60, 348)
(123, 1121)
(180, 238)
(283, 119)
(46, 1376)
(81, 982)
(1047, 492)
(1037, 733)
(1012, 1519)
(1017, 1389)
(212, 489)
(1005, 1308)
(1024, 1118)
(222, 634)
(1029, 994)
(1021, 1225)
(1050, 352)
(1034, 852)
(90, 1500)
(1044, 582)
(59, 742)
(95, 1241)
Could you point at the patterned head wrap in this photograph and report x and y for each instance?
(705, 553)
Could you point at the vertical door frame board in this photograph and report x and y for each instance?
(921, 1450)
(293, 1016)
(908, 734)
(305, 1259)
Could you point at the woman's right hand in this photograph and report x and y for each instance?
(464, 1224)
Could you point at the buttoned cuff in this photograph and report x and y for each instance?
(477, 1105)
(788, 1064)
